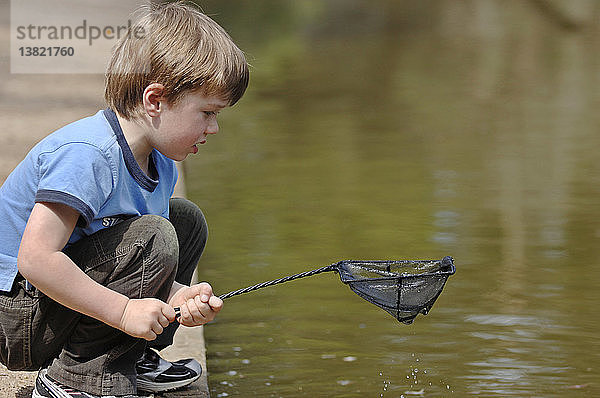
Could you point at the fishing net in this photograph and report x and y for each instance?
(404, 288)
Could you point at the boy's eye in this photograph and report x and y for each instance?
(210, 113)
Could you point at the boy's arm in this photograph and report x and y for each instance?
(42, 262)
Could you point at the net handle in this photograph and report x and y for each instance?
(328, 268)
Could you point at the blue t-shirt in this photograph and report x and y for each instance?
(88, 166)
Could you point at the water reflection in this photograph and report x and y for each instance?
(396, 129)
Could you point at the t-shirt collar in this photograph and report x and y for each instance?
(133, 167)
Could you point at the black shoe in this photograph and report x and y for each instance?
(155, 374)
(45, 387)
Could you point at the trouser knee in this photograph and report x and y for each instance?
(160, 253)
(137, 257)
(161, 242)
(188, 220)
(192, 232)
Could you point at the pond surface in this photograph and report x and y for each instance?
(406, 130)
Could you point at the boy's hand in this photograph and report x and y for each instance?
(146, 318)
(197, 303)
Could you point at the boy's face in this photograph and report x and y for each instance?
(181, 127)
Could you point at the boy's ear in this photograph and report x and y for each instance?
(153, 95)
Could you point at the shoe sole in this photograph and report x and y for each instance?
(149, 386)
(36, 394)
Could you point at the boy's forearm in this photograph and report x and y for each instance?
(81, 294)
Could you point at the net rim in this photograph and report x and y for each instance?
(444, 273)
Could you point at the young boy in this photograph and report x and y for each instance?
(94, 255)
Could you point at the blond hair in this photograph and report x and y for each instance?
(176, 45)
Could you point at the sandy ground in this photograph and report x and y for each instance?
(32, 106)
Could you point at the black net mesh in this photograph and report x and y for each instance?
(402, 288)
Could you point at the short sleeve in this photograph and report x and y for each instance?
(78, 175)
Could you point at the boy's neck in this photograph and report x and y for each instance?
(133, 130)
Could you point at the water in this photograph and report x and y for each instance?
(406, 130)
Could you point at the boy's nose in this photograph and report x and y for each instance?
(213, 127)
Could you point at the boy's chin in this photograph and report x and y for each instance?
(178, 158)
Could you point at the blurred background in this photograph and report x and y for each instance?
(392, 129)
